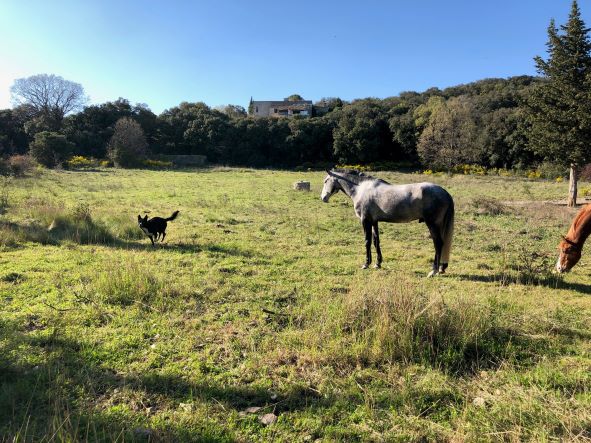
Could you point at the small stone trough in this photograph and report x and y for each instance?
(301, 186)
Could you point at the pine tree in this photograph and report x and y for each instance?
(560, 129)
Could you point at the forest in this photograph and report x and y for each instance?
(476, 123)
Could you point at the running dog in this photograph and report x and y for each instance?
(155, 228)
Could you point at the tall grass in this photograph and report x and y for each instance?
(133, 282)
(50, 223)
(378, 323)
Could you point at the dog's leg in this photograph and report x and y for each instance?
(163, 235)
(152, 240)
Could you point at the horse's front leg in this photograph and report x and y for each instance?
(376, 243)
(367, 225)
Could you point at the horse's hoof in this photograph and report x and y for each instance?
(431, 274)
(365, 266)
(377, 266)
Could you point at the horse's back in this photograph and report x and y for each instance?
(404, 203)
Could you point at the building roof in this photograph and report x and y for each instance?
(283, 102)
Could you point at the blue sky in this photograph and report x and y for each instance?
(219, 52)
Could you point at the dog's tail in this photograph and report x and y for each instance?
(173, 216)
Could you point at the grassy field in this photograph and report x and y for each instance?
(256, 304)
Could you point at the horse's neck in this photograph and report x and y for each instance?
(349, 187)
(581, 227)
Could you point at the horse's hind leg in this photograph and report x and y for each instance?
(438, 243)
(367, 225)
(376, 243)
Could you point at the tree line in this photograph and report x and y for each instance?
(476, 123)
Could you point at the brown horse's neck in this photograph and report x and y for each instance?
(581, 227)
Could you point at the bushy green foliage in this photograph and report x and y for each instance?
(50, 148)
(17, 165)
(128, 146)
(360, 132)
(157, 164)
(451, 135)
(81, 162)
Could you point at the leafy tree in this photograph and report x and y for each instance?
(91, 129)
(50, 148)
(423, 113)
(193, 128)
(362, 134)
(404, 134)
(310, 140)
(13, 138)
(294, 98)
(558, 109)
(51, 96)
(232, 111)
(128, 145)
(451, 136)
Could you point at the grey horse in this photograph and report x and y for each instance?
(375, 200)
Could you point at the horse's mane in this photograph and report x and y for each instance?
(581, 225)
(356, 176)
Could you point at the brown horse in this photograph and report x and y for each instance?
(572, 244)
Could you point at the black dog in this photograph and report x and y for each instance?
(155, 227)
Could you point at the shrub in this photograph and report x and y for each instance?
(470, 169)
(585, 173)
(157, 164)
(81, 162)
(5, 186)
(488, 206)
(128, 145)
(528, 265)
(17, 165)
(360, 168)
(533, 174)
(552, 171)
(50, 148)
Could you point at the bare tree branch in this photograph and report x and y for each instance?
(50, 95)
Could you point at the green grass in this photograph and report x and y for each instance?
(257, 299)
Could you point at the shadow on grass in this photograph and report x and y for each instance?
(183, 247)
(505, 278)
(73, 397)
(87, 232)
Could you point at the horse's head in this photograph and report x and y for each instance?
(331, 186)
(570, 254)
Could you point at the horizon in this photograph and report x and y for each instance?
(164, 55)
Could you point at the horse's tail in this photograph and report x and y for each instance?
(447, 232)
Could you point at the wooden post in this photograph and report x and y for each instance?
(572, 186)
